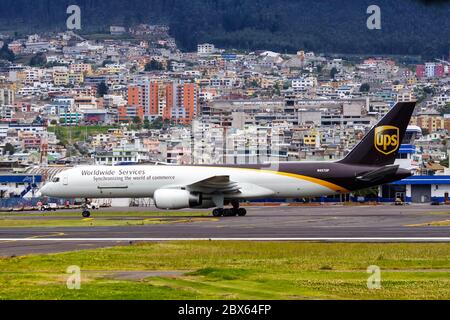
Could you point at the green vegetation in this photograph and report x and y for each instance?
(38, 60)
(445, 109)
(91, 222)
(365, 87)
(102, 89)
(440, 223)
(6, 53)
(154, 65)
(106, 36)
(70, 134)
(137, 120)
(106, 214)
(160, 123)
(9, 149)
(368, 192)
(333, 72)
(234, 270)
(280, 25)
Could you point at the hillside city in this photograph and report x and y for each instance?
(133, 97)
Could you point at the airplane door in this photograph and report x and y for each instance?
(65, 180)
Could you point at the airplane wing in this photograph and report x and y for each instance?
(378, 174)
(215, 184)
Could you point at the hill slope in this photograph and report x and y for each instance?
(408, 26)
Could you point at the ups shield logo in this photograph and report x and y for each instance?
(387, 139)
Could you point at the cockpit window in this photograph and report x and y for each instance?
(56, 179)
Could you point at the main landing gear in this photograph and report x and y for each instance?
(86, 213)
(235, 211)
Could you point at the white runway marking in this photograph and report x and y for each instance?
(356, 239)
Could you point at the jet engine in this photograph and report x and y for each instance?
(171, 199)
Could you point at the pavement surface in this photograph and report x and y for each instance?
(282, 222)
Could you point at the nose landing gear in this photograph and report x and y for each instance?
(86, 213)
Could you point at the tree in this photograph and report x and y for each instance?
(146, 124)
(157, 123)
(102, 89)
(6, 53)
(9, 149)
(371, 192)
(154, 65)
(137, 120)
(333, 72)
(428, 90)
(38, 60)
(254, 83)
(445, 109)
(53, 122)
(256, 24)
(445, 163)
(106, 62)
(365, 87)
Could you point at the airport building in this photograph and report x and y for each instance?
(422, 189)
(18, 185)
(417, 188)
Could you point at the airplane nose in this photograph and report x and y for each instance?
(44, 190)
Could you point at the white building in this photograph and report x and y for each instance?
(6, 97)
(303, 83)
(205, 49)
(405, 96)
(429, 69)
(117, 30)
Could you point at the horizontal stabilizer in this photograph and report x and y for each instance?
(378, 174)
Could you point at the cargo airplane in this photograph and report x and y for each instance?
(369, 163)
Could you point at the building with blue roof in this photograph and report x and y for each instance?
(19, 185)
(417, 188)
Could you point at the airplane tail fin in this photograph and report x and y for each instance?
(380, 146)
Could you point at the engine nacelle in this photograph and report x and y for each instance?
(176, 199)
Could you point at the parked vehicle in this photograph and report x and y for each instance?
(49, 207)
(93, 206)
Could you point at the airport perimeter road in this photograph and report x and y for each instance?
(284, 222)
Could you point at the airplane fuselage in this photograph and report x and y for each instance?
(370, 163)
(277, 180)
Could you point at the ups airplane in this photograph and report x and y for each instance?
(369, 164)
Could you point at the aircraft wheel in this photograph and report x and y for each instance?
(217, 212)
(86, 214)
(241, 212)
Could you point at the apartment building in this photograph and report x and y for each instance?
(6, 97)
(81, 67)
(169, 100)
(205, 49)
(431, 122)
(60, 78)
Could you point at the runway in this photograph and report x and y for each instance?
(283, 222)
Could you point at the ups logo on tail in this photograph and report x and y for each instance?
(387, 139)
